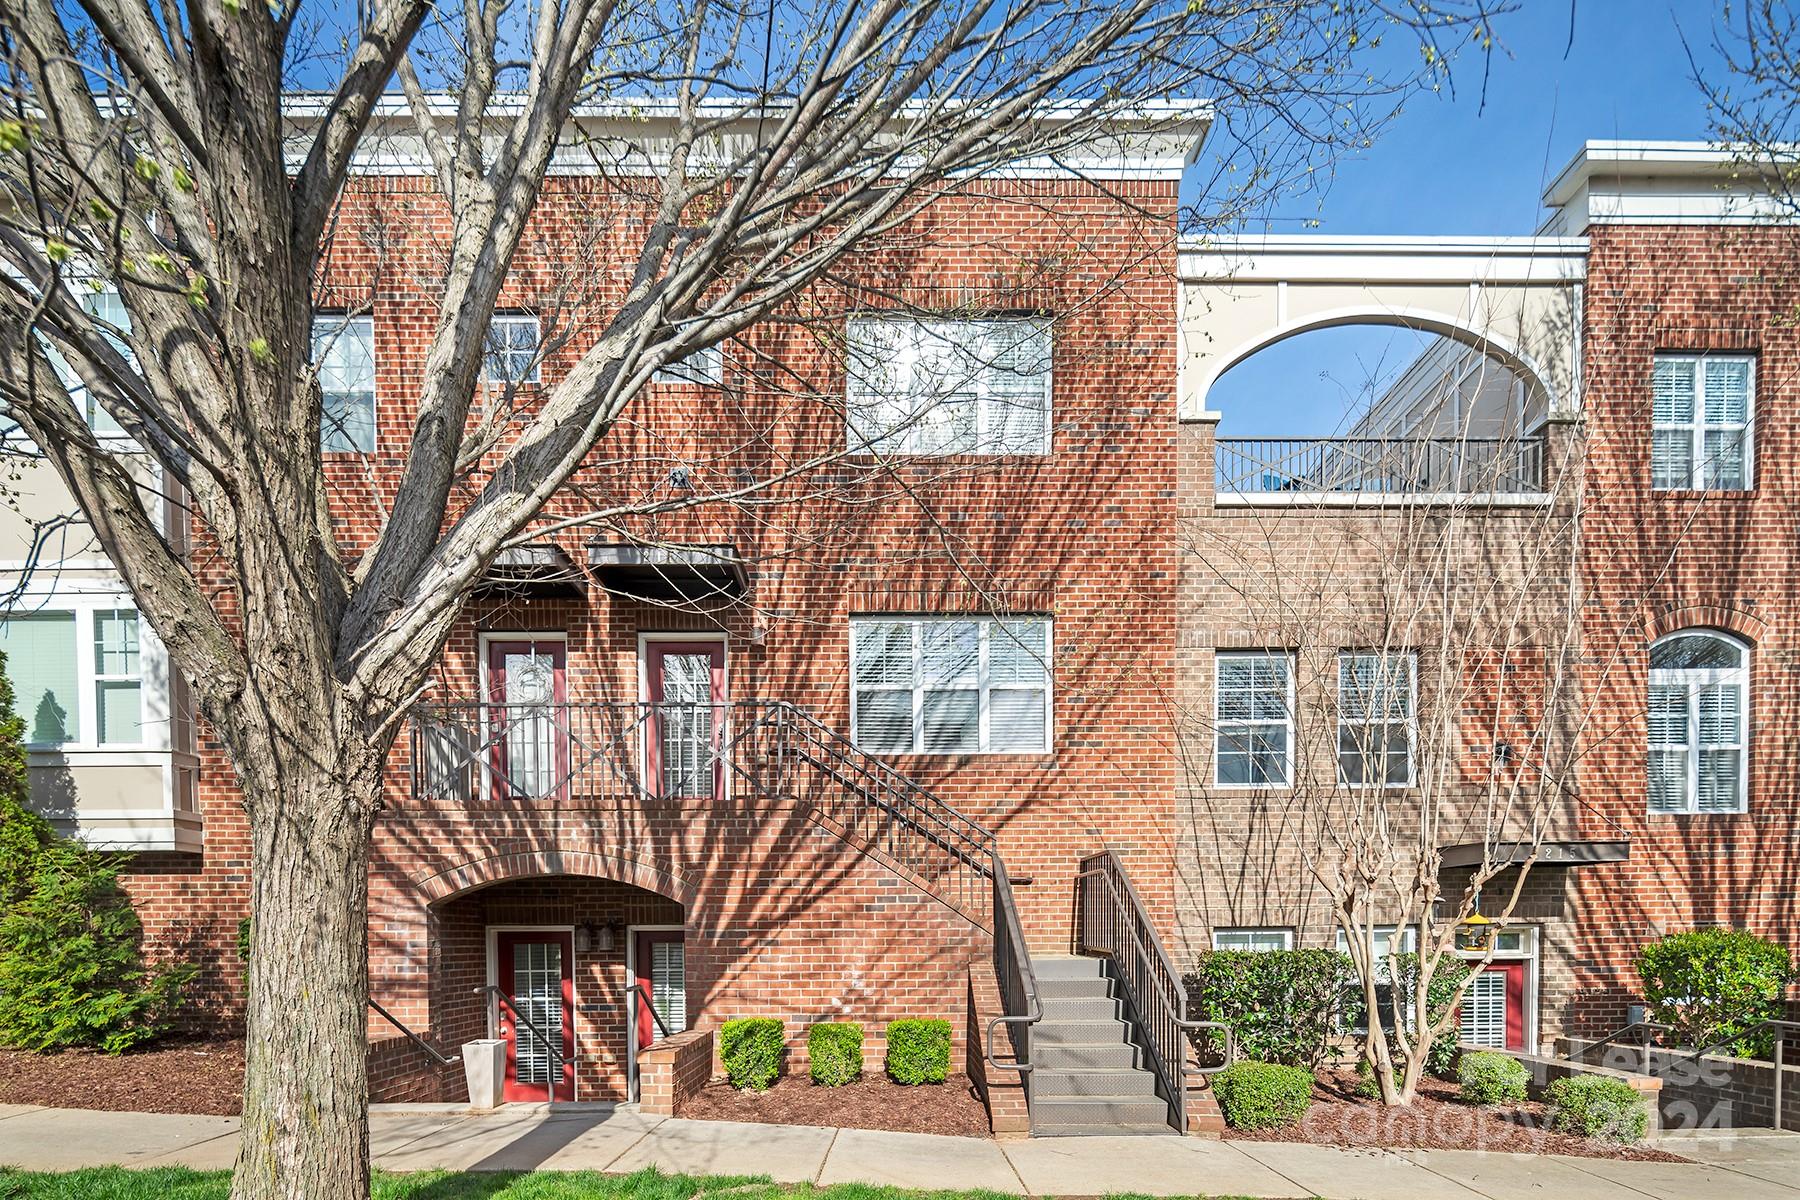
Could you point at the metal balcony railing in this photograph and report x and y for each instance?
(1379, 466)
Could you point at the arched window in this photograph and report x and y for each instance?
(1699, 723)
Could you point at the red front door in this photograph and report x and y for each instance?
(686, 682)
(536, 974)
(660, 964)
(1493, 1007)
(528, 728)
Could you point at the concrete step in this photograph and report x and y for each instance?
(1070, 989)
(1079, 1033)
(1068, 966)
(1098, 1110)
(1102, 1130)
(1054, 1057)
(1050, 1085)
(1082, 1008)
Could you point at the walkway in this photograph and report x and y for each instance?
(1750, 1166)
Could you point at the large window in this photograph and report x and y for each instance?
(1376, 697)
(511, 354)
(957, 685)
(948, 387)
(77, 675)
(702, 368)
(1254, 719)
(1698, 722)
(344, 349)
(1702, 409)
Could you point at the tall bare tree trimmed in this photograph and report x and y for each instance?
(155, 151)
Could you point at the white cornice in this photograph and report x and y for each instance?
(1305, 258)
(1663, 183)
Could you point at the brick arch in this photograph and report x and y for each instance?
(1747, 626)
(536, 864)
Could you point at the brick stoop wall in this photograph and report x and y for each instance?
(1003, 1091)
(672, 1070)
(401, 1072)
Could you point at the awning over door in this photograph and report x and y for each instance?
(1549, 854)
(699, 572)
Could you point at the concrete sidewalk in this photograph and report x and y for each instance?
(1749, 1166)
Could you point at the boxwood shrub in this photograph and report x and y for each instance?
(1255, 1095)
(1714, 985)
(1282, 1005)
(1595, 1106)
(835, 1051)
(1489, 1078)
(751, 1049)
(918, 1050)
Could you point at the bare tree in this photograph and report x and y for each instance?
(154, 152)
(1428, 691)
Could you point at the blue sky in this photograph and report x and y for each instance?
(1451, 164)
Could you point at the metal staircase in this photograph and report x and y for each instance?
(1091, 1076)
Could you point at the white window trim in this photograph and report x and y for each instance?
(1218, 722)
(532, 374)
(1286, 934)
(704, 368)
(1696, 681)
(1412, 721)
(982, 687)
(1699, 428)
(153, 676)
(979, 388)
(344, 320)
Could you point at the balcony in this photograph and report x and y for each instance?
(1348, 470)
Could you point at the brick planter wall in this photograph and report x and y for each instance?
(674, 1069)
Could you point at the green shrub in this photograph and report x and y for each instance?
(918, 1050)
(71, 961)
(1489, 1078)
(1256, 1095)
(835, 1050)
(1400, 974)
(23, 834)
(1595, 1106)
(751, 1049)
(1713, 985)
(1367, 1086)
(1282, 1005)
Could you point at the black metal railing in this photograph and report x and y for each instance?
(553, 1048)
(1112, 921)
(1381, 466)
(1645, 1033)
(432, 1052)
(642, 995)
(1018, 983)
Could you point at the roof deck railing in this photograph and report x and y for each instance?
(1304, 467)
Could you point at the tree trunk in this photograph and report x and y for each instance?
(305, 1122)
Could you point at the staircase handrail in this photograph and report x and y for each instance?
(432, 1052)
(1016, 979)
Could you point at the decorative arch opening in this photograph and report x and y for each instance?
(1361, 402)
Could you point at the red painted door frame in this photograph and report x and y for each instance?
(654, 653)
(646, 1031)
(555, 649)
(504, 942)
(1515, 1001)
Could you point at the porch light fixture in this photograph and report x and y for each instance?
(591, 938)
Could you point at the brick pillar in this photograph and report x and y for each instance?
(672, 1070)
(1009, 1116)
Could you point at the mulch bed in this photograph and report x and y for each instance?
(198, 1076)
(875, 1103)
(1437, 1120)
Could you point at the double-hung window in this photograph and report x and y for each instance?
(1253, 939)
(77, 675)
(957, 685)
(512, 349)
(932, 387)
(1376, 694)
(344, 349)
(1702, 412)
(1254, 719)
(1698, 723)
(702, 368)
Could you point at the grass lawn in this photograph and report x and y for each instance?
(178, 1183)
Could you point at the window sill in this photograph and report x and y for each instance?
(1693, 493)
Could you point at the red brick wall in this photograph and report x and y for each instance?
(1661, 561)
(783, 918)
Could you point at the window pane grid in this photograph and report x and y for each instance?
(1375, 714)
(938, 387)
(512, 349)
(950, 685)
(344, 349)
(1696, 725)
(1253, 720)
(1702, 413)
